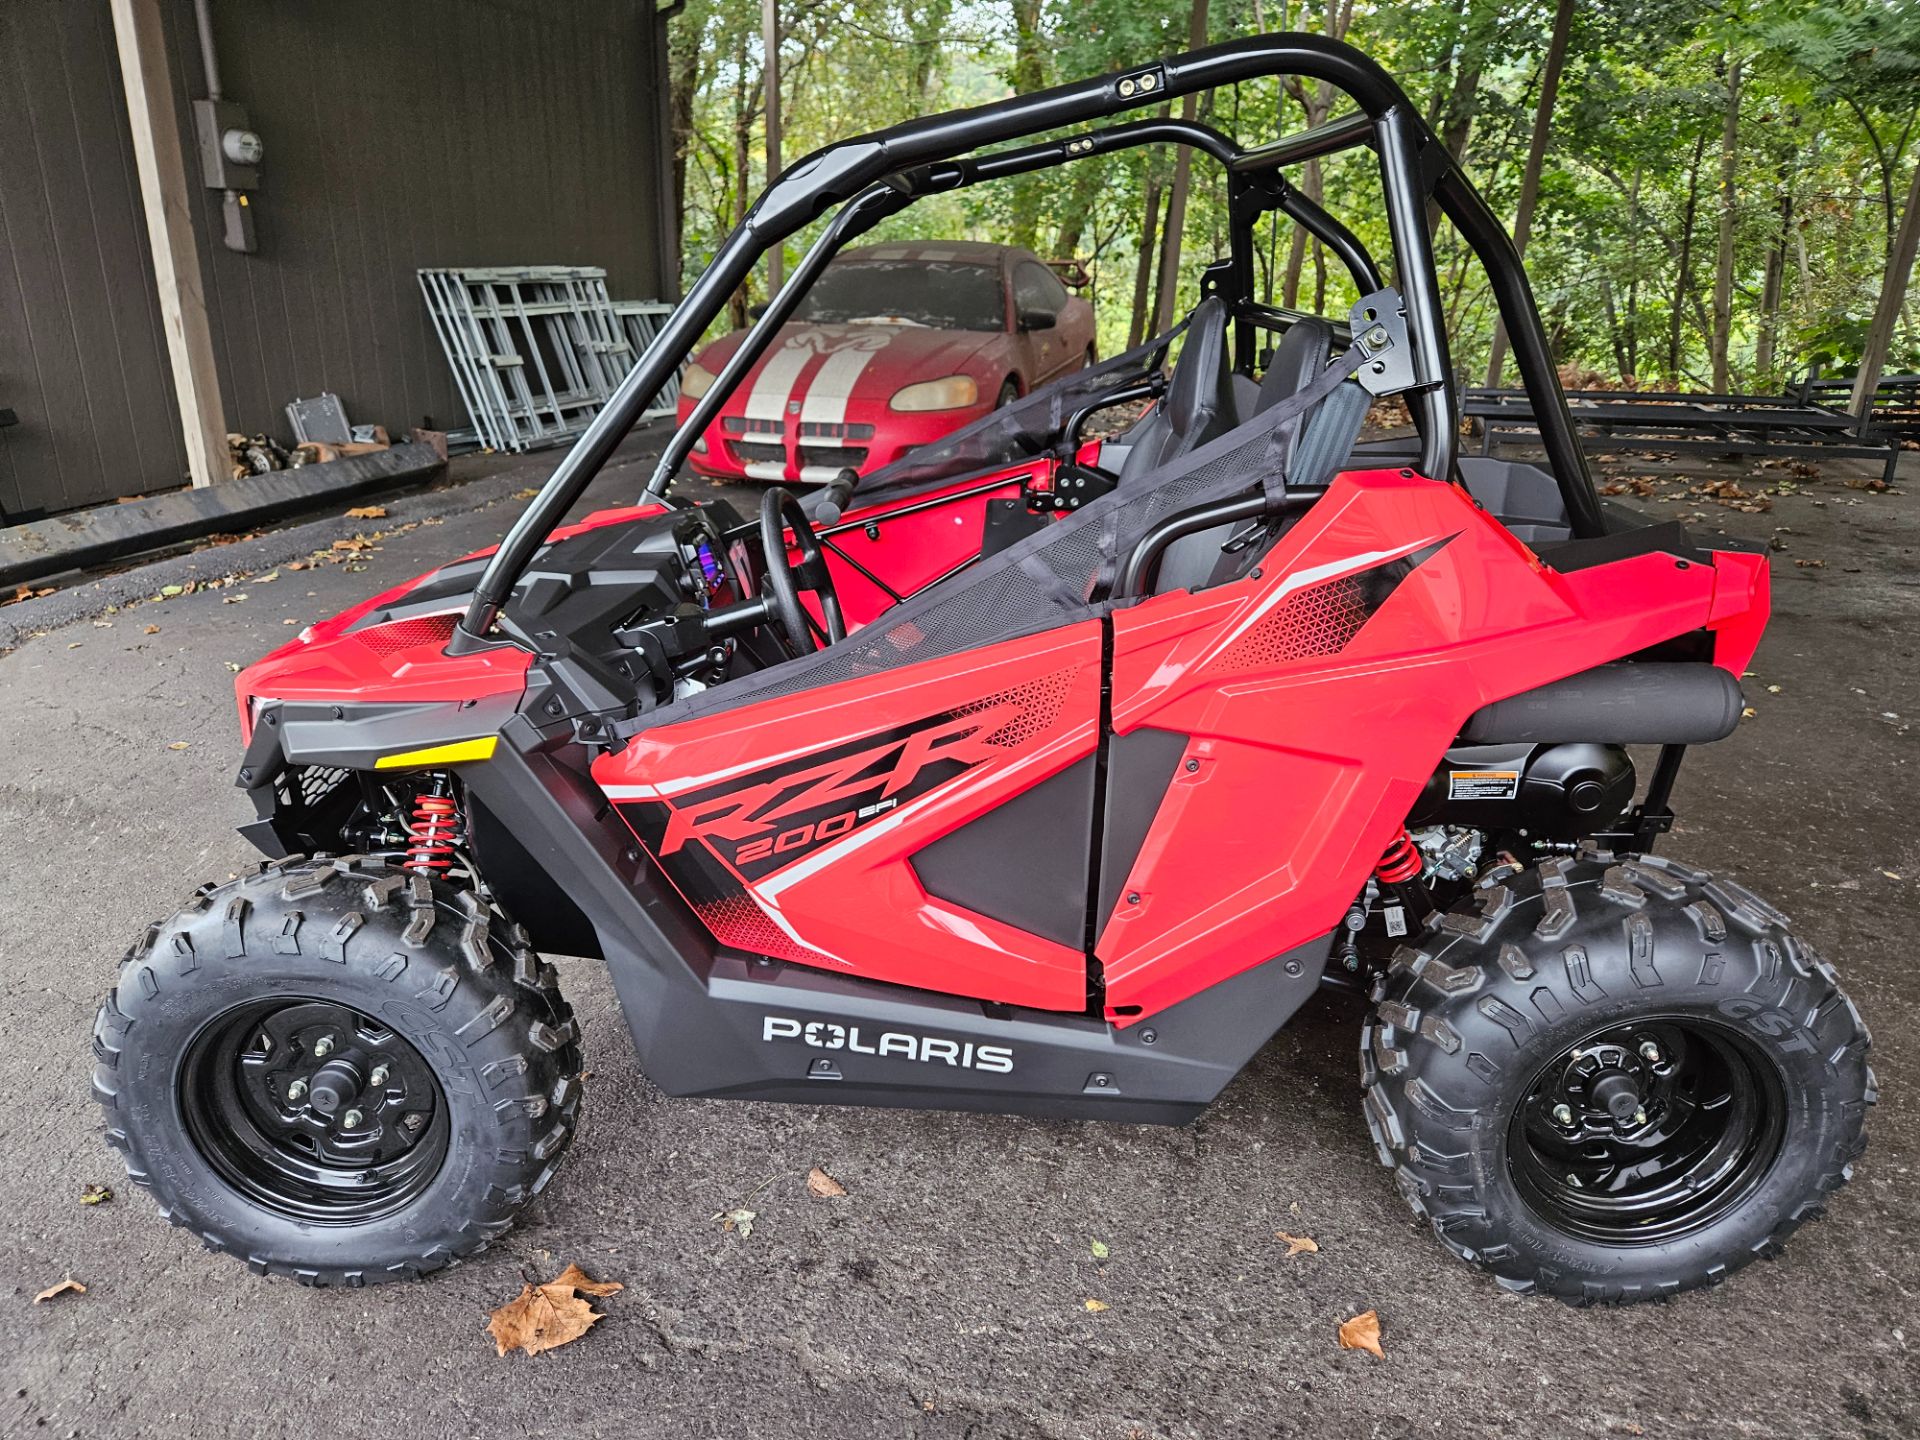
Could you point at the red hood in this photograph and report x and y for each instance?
(821, 367)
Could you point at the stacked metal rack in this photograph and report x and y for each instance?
(536, 350)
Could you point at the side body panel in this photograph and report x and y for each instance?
(790, 826)
(1316, 697)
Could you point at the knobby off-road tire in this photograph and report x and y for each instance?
(490, 1045)
(1472, 1029)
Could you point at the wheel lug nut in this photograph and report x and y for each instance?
(297, 1090)
(351, 1119)
(413, 1122)
(1563, 1115)
(1649, 1052)
(323, 1046)
(379, 1076)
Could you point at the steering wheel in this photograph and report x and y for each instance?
(779, 511)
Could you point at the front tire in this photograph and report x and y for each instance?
(338, 1072)
(1614, 1081)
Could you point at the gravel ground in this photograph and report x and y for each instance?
(945, 1295)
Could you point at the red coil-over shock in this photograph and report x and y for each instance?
(1398, 872)
(1401, 862)
(434, 829)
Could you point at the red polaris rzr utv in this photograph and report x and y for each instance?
(1031, 773)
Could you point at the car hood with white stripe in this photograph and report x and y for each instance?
(821, 368)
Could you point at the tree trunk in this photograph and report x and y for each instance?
(1312, 180)
(770, 42)
(743, 108)
(1177, 196)
(1772, 287)
(1029, 73)
(1722, 337)
(1632, 370)
(1087, 178)
(1893, 294)
(1137, 324)
(1536, 156)
(1614, 336)
(1683, 263)
(686, 44)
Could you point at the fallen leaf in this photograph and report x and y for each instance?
(357, 542)
(542, 1317)
(65, 1287)
(153, 630)
(824, 1185)
(1298, 1244)
(1099, 1248)
(1362, 1332)
(1773, 689)
(178, 745)
(579, 1280)
(1096, 1306)
(233, 666)
(96, 1195)
(1891, 874)
(367, 512)
(296, 565)
(171, 590)
(739, 1218)
(266, 579)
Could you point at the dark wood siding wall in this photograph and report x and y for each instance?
(83, 361)
(430, 132)
(434, 132)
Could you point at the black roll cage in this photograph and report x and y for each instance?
(872, 176)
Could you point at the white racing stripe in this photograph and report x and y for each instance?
(770, 393)
(832, 386)
(766, 470)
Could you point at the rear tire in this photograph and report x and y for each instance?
(1009, 392)
(1609, 1081)
(338, 1072)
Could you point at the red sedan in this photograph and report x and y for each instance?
(895, 346)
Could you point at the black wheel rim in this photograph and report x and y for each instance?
(314, 1110)
(1647, 1132)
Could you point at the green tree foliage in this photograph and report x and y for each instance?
(1718, 179)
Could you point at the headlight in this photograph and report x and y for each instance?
(696, 381)
(956, 392)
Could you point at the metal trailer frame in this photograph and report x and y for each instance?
(1764, 425)
(925, 156)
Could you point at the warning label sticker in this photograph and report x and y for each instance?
(1483, 784)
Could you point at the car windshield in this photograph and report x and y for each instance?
(943, 294)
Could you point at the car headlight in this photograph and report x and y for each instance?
(955, 392)
(696, 381)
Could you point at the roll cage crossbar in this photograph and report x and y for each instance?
(885, 170)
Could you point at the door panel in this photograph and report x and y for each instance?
(1316, 697)
(792, 826)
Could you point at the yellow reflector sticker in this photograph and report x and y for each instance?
(454, 754)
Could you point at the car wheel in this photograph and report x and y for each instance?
(1009, 392)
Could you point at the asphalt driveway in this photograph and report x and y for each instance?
(946, 1294)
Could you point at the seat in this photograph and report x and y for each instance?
(1199, 403)
(1327, 435)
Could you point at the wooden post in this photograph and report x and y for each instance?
(1893, 294)
(166, 195)
(770, 42)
